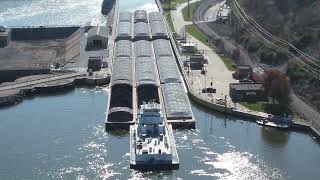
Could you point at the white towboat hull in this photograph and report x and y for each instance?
(272, 124)
(153, 162)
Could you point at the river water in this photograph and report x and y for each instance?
(60, 12)
(63, 137)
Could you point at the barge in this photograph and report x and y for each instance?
(152, 145)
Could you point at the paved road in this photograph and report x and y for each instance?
(211, 14)
(177, 18)
(297, 104)
(217, 72)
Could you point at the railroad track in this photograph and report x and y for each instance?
(203, 7)
(307, 110)
(298, 105)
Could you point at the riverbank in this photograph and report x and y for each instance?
(222, 73)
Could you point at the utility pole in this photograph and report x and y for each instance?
(205, 80)
(188, 8)
(225, 104)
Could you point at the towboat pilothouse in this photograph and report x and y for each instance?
(152, 145)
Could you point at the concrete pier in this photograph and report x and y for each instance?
(14, 92)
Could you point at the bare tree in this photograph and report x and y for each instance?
(277, 86)
(236, 54)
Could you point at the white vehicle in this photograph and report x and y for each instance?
(220, 101)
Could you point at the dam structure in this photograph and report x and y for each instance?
(42, 60)
(145, 69)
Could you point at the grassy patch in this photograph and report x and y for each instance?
(229, 63)
(193, 31)
(267, 107)
(169, 20)
(255, 106)
(188, 16)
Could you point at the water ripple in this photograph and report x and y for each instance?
(52, 12)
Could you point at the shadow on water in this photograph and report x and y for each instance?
(275, 137)
(56, 94)
(48, 94)
(38, 95)
(208, 114)
(118, 133)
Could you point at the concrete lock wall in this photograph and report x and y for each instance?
(11, 75)
(39, 33)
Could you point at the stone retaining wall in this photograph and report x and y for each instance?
(12, 99)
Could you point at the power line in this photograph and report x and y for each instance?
(287, 44)
(257, 32)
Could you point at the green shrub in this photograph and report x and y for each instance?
(268, 56)
(253, 45)
(296, 73)
(304, 40)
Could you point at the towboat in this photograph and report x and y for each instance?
(107, 6)
(152, 145)
(276, 121)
